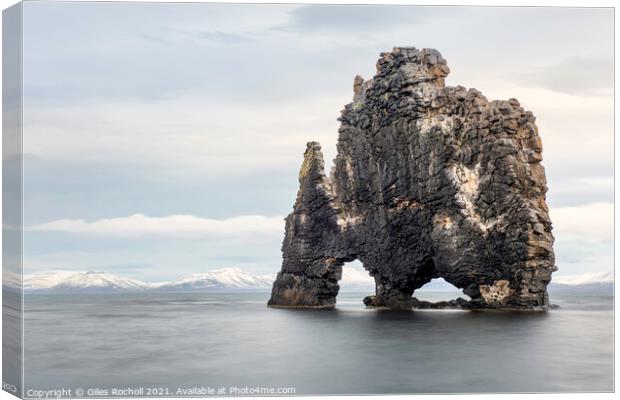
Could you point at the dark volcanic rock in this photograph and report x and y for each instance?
(429, 181)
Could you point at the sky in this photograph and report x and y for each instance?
(165, 139)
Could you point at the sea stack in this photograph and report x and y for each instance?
(429, 181)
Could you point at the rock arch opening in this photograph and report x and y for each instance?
(356, 279)
(438, 293)
(355, 284)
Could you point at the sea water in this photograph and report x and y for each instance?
(190, 343)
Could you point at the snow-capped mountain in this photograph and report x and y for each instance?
(91, 281)
(592, 281)
(585, 279)
(353, 279)
(219, 279)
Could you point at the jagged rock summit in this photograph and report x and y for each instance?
(429, 181)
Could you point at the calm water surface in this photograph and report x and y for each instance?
(187, 340)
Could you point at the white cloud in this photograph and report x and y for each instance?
(583, 238)
(589, 222)
(172, 225)
(186, 137)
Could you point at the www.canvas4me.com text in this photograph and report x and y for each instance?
(158, 391)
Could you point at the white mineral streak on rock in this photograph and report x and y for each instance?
(347, 220)
(466, 181)
(433, 122)
(348, 168)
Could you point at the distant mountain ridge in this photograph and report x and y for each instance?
(219, 279)
(585, 279)
(592, 281)
(76, 281)
(236, 279)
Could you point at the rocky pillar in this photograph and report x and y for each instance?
(310, 274)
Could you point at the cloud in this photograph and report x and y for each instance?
(590, 222)
(185, 136)
(359, 18)
(223, 37)
(571, 190)
(577, 75)
(197, 36)
(147, 50)
(172, 225)
(584, 238)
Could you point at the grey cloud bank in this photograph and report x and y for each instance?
(576, 75)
